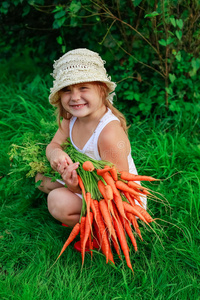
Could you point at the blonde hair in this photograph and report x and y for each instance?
(104, 92)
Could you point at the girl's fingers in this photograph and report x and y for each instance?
(63, 165)
(60, 168)
(61, 162)
(68, 160)
(70, 171)
(72, 167)
(74, 178)
(71, 180)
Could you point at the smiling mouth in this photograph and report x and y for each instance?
(77, 106)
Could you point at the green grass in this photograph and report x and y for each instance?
(167, 265)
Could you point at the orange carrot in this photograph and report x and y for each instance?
(117, 198)
(105, 190)
(134, 211)
(119, 205)
(122, 239)
(109, 180)
(129, 232)
(138, 187)
(100, 172)
(107, 167)
(104, 242)
(102, 230)
(82, 234)
(101, 187)
(138, 200)
(73, 234)
(130, 199)
(108, 192)
(113, 172)
(116, 245)
(80, 182)
(128, 176)
(88, 221)
(88, 202)
(107, 218)
(145, 214)
(125, 188)
(134, 222)
(93, 208)
(96, 232)
(117, 248)
(88, 166)
(134, 184)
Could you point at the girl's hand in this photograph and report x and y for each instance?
(59, 159)
(70, 177)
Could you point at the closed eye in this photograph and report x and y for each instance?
(66, 89)
(83, 87)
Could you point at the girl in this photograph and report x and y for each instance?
(82, 93)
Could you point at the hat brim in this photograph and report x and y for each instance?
(54, 95)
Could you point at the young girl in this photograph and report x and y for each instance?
(82, 93)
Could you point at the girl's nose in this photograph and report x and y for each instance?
(75, 95)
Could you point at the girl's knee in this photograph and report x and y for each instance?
(52, 202)
(64, 206)
(55, 204)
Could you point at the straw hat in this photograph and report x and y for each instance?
(77, 66)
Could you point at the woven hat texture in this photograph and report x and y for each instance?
(77, 66)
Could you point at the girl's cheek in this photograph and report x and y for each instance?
(64, 101)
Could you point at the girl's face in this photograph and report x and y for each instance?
(81, 100)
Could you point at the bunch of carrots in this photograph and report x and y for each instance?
(113, 214)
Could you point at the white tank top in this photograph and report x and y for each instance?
(91, 147)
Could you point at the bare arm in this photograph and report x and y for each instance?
(60, 161)
(54, 151)
(114, 145)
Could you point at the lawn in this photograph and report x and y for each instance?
(167, 264)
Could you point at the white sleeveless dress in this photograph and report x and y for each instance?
(91, 147)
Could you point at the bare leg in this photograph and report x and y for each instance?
(47, 185)
(64, 206)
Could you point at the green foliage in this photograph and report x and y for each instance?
(29, 157)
